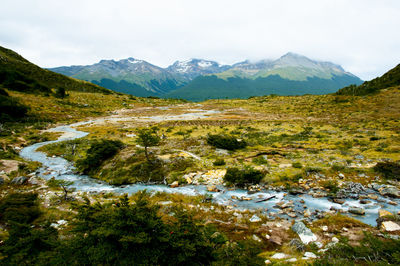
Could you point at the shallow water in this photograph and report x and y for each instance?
(60, 168)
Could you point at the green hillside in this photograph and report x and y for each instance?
(18, 74)
(212, 87)
(389, 79)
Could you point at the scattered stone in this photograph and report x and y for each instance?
(174, 184)
(20, 180)
(364, 201)
(212, 188)
(324, 228)
(221, 152)
(335, 239)
(390, 226)
(357, 210)
(341, 176)
(267, 262)
(256, 238)
(338, 201)
(392, 203)
(310, 255)
(279, 256)
(292, 260)
(373, 196)
(304, 233)
(389, 191)
(307, 213)
(318, 244)
(255, 219)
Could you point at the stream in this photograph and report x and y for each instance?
(60, 168)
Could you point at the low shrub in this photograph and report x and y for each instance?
(226, 142)
(98, 152)
(241, 177)
(219, 162)
(390, 170)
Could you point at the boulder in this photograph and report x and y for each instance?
(357, 210)
(174, 184)
(20, 180)
(212, 188)
(310, 255)
(338, 201)
(304, 233)
(297, 244)
(390, 226)
(390, 191)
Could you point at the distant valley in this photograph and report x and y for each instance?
(198, 79)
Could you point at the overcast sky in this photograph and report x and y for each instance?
(361, 35)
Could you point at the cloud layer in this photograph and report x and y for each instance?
(361, 35)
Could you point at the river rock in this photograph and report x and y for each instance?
(357, 210)
(212, 188)
(255, 219)
(174, 184)
(389, 191)
(338, 201)
(390, 226)
(353, 187)
(304, 233)
(20, 180)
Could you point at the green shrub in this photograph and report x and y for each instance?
(390, 170)
(20, 208)
(219, 162)
(98, 152)
(226, 142)
(297, 165)
(241, 177)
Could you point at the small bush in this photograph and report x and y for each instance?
(219, 162)
(390, 170)
(297, 165)
(241, 177)
(98, 152)
(225, 142)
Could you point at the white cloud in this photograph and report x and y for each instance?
(361, 35)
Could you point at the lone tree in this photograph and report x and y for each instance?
(63, 184)
(147, 137)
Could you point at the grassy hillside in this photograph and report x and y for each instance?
(389, 79)
(18, 74)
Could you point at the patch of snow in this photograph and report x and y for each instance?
(134, 61)
(204, 64)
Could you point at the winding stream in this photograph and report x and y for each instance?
(60, 168)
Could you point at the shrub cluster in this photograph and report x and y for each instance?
(226, 142)
(390, 170)
(241, 177)
(98, 152)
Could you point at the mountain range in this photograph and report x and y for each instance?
(199, 79)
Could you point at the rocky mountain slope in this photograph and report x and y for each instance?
(198, 79)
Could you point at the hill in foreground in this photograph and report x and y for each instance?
(389, 79)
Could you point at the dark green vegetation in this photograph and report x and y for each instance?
(387, 80)
(390, 170)
(225, 142)
(148, 137)
(242, 177)
(10, 108)
(99, 151)
(18, 74)
(123, 232)
(371, 251)
(212, 87)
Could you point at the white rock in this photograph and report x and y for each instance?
(335, 240)
(256, 238)
(324, 228)
(279, 256)
(319, 244)
(255, 219)
(267, 262)
(292, 260)
(390, 226)
(310, 255)
(267, 236)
